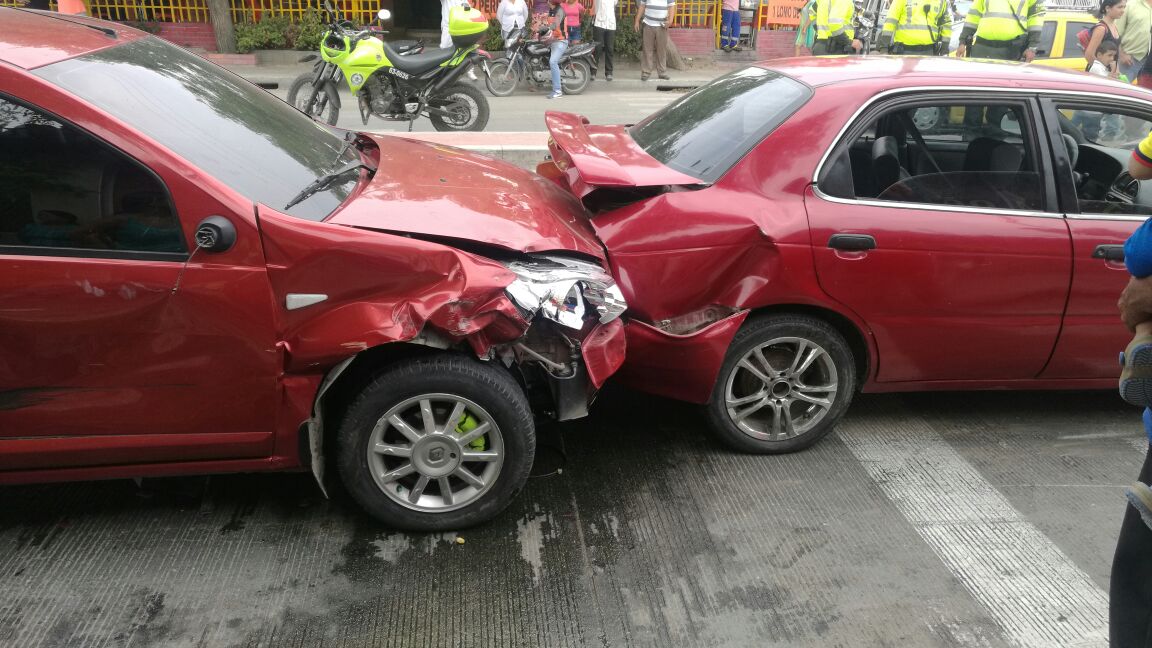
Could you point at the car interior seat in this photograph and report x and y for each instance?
(886, 162)
(988, 154)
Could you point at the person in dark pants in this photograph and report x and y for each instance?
(604, 34)
(1130, 590)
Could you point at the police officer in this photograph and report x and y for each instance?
(1005, 29)
(834, 31)
(917, 27)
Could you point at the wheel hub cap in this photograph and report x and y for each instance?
(436, 456)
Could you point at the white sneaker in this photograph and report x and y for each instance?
(556, 95)
(472, 73)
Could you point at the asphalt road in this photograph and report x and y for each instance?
(972, 520)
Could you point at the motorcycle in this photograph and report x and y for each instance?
(528, 60)
(393, 83)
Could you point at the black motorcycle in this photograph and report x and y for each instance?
(527, 60)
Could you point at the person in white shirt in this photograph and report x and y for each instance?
(1104, 63)
(445, 7)
(604, 34)
(511, 14)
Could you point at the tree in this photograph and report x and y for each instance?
(220, 13)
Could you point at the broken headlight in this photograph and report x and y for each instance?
(563, 289)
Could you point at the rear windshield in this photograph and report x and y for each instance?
(708, 130)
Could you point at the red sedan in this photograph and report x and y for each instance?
(195, 278)
(797, 231)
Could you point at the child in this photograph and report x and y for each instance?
(1104, 63)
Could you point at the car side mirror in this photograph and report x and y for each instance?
(215, 234)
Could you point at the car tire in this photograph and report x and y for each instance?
(473, 114)
(785, 383)
(399, 454)
(312, 101)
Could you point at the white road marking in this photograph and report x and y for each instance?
(1032, 589)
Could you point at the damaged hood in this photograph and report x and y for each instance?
(440, 191)
(592, 157)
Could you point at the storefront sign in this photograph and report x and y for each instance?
(783, 12)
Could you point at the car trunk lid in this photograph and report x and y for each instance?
(599, 158)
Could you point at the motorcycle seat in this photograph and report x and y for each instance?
(417, 63)
(581, 50)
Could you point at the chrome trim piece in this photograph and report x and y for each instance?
(962, 209)
(1107, 217)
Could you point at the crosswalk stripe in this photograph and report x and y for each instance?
(1028, 585)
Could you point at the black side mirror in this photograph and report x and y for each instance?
(215, 234)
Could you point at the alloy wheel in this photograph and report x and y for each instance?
(781, 389)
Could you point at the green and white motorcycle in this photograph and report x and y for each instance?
(397, 84)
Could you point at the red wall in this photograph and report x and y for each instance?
(188, 34)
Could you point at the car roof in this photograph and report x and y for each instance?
(901, 71)
(30, 39)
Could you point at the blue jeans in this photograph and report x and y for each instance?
(558, 49)
(1131, 71)
(729, 28)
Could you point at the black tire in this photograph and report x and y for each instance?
(311, 101)
(575, 77)
(472, 114)
(502, 79)
(491, 400)
(784, 398)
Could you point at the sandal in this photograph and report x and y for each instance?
(1136, 378)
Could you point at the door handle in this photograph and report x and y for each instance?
(1109, 253)
(852, 242)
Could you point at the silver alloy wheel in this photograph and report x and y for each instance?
(435, 452)
(781, 389)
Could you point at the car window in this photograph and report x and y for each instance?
(708, 130)
(1047, 38)
(236, 132)
(956, 154)
(63, 189)
(1072, 38)
(1099, 143)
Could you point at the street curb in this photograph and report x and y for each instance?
(523, 149)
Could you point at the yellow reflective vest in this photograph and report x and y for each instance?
(834, 17)
(1004, 20)
(917, 22)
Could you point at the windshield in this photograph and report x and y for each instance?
(708, 130)
(232, 130)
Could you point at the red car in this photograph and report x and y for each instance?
(802, 229)
(195, 278)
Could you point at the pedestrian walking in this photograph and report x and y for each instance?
(511, 14)
(1104, 31)
(1130, 588)
(835, 33)
(730, 25)
(1134, 30)
(604, 35)
(917, 27)
(656, 16)
(1002, 29)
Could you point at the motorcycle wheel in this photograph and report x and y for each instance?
(311, 101)
(502, 79)
(470, 115)
(574, 77)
